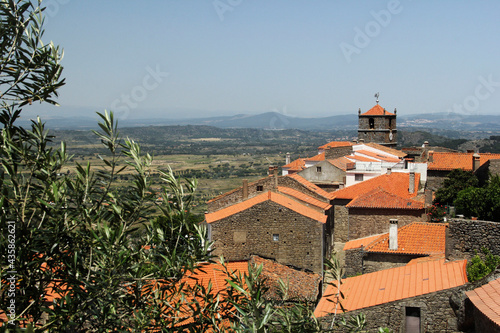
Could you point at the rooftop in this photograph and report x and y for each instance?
(304, 197)
(394, 284)
(377, 110)
(389, 150)
(378, 156)
(380, 198)
(343, 163)
(335, 144)
(310, 185)
(450, 161)
(487, 300)
(297, 165)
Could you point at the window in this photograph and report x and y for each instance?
(358, 177)
(276, 237)
(390, 123)
(318, 169)
(260, 188)
(371, 122)
(412, 320)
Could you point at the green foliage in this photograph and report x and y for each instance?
(483, 203)
(456, 181)
(477, 268)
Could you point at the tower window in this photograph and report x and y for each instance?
(318, 169)
(371, 123)
(390, 123)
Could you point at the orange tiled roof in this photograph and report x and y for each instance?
(432, 257)
(335, 144)
(394, 284)
(301, 285)
(382, 157)
(233, 190)
(361, 158)
(319, 157)
(360, 242)
(274, 197)
(297, 165)
(377, 110)
(464, 161)
(310, 185)
(379, 198)
(304, 197)
(487, 300)
(389, 150)
(343, 163)
(396, 183)
(415, 238)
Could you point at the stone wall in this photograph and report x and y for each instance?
(354, 262)
(463, 237)
(373, 262)
(436, 313)
(253, 231)
(341, 223)
(328, 174)
(435, 179)
(332, 153)
(365, 222)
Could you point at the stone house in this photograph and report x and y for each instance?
(329, 175)
(411, 298)
(414, 242)
(272, 225)
(363, 209)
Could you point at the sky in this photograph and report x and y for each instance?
(198, 58)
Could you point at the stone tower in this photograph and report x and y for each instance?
(379, 126)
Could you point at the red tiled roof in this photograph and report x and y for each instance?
(415, 238)
(396, 183)
(377, 110)
(378, 156)
(297, 165)
(361, 158)
(271, 196)
(464, 161)
(335, 144)
(487, 300)
(304, 197)
(301, 285)
(394, 284)
(379, 198)
(389, 150)
(319, 157)
(360, 242)
(310, 185)
(343, 163)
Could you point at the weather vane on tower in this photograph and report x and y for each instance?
(376, 96)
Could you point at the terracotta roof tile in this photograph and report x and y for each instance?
(361, 158)
(319, 157)
(301, 285)
(310, 185)
(335, 144)
(394, 284)
(487, 300)
(379, 198)
(464, 161)
(304, 197)
(271, 196)
(360, 242)
(378, 156)
(377, 110)
(389, 150)
(416, 238)
(343, 163)
(396, 183)
(297, 165)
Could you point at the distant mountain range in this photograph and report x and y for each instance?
(278, 121)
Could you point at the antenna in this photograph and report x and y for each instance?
(376, 96)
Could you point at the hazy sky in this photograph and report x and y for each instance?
(175, 59)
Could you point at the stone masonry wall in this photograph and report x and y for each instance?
(354, 262)
(251, 231)
(365, 222)
(373, 262)
(341, 223)
(335, 152)
(436, 313)
(463, 237)
(435, 179)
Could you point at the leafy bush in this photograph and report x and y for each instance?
(477, 268)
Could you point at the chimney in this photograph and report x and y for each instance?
(411, 187)
(245, 189)
(270, 171)
(430, 157)
(287, 160)
(361, 141)
(395, 111)
(389, 171)
(359, 111)
(393, 234)
(426, 144)
(476, 161)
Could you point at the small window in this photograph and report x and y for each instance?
(371, 122)
(358, 177)
(318, 169)
(276, 237)
(260, 188)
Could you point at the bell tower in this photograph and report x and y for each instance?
(378, 125)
